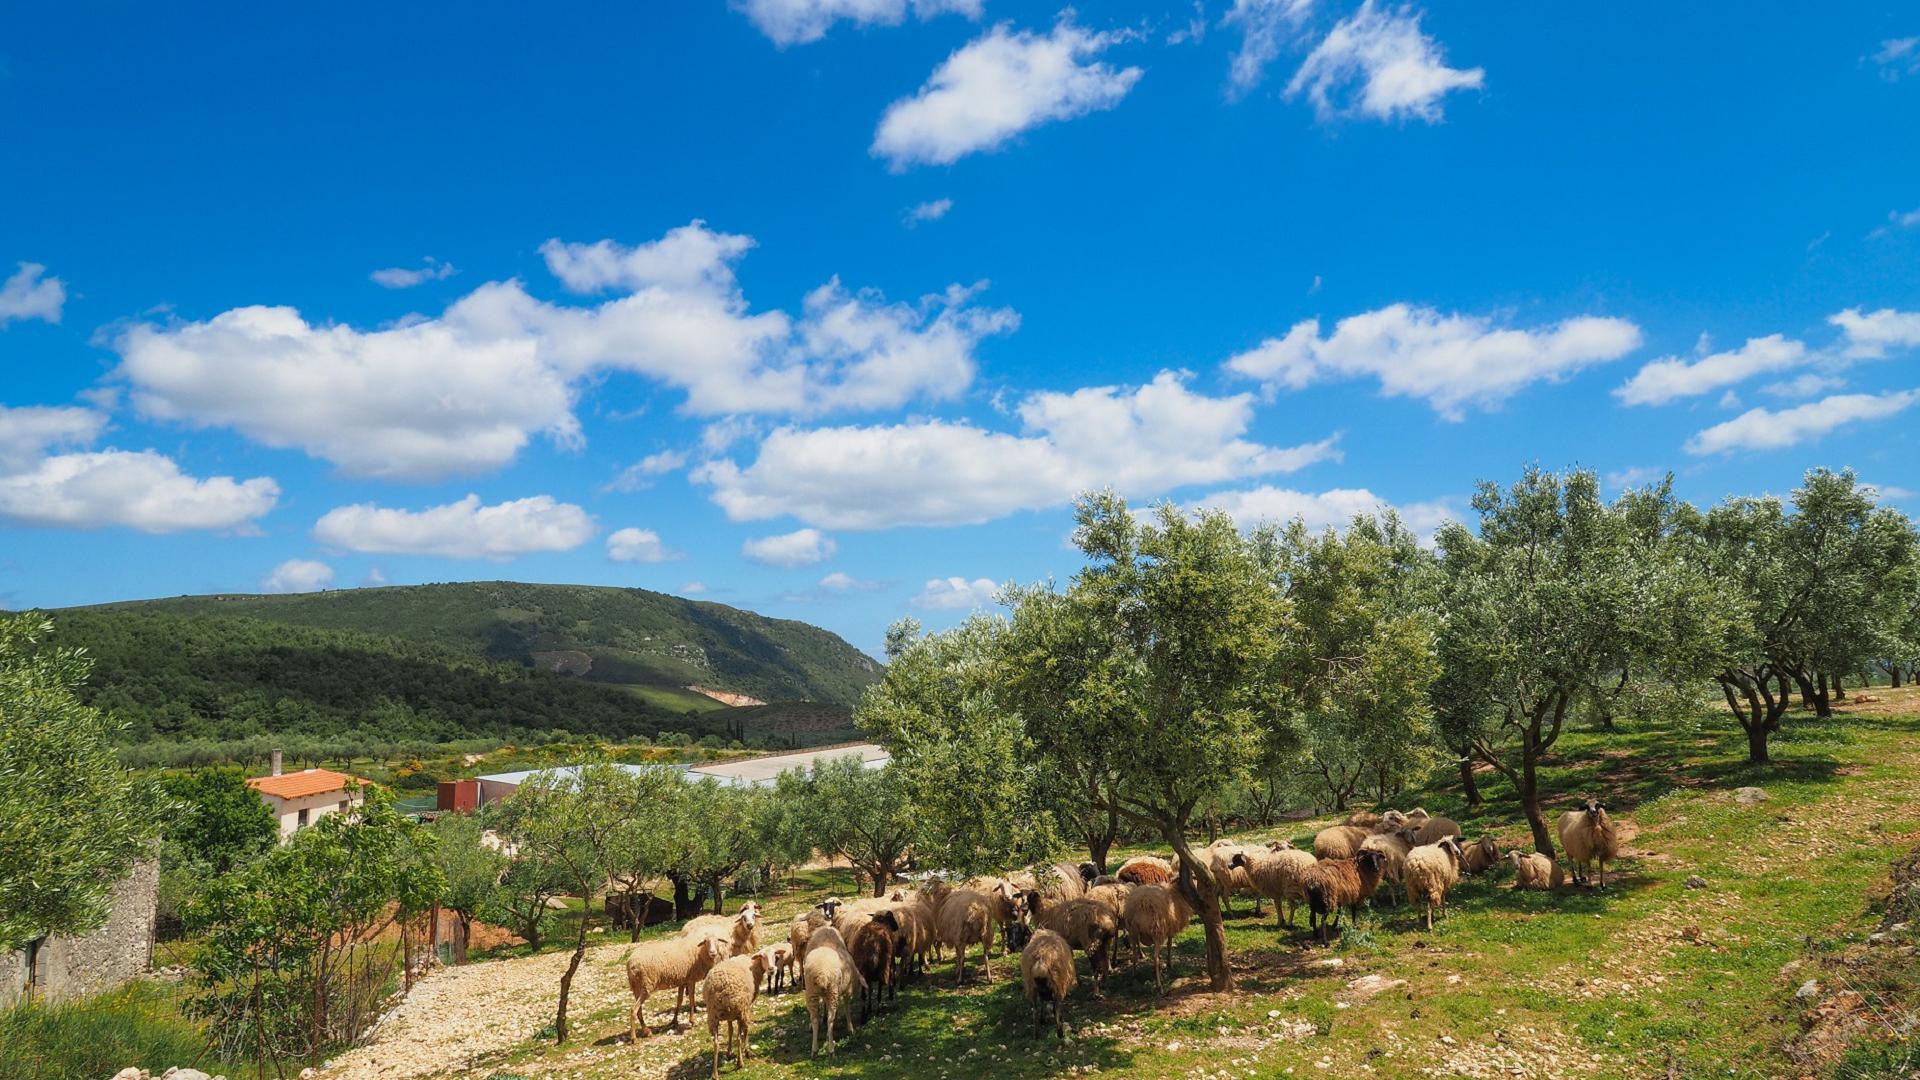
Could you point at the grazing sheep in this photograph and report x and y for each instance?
(1431, 870)
(1393, 848)
(1277, 873)
(1145, 870)
(872, 949)
(830, 981)
(677, 964)
(1481, 857)
(742, 931)
(1046, 973)
(1063, 881)
(803, 926)
(1154, 915)
(780, 964)
(1339, 842)
(1589, 835)
(731, 987)
(1415, 817)
(965, 919)
(915, 939)
(1534, 871)
(1233, 880)
(1434, 828)
(1333, 884)
(1087, 924)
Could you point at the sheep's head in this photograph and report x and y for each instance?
(1030, 902)
(1594, 808)
(1239, 861)
(1088, 872)
(1018, 935)
(1451, 845)
(1515, 856)
(1370, 861)
(749, 915)
(1280, 845)
(713, 950)
(888, 919)
(829, 907)
(1393, 820)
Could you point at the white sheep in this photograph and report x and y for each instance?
(1393, 848)
(731, 987)
(1432, 869)
(1589, 835)
(1532, 870)
(1339, 841)
(830, 980)
(1154, 915)
(1277, 874)
(676, 964)
(965, 919)
(741, 930)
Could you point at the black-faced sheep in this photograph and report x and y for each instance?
(1589, 835)
(1393, 848)
(1532, 870)
(1154, 915)
(966, 919)
(829, 981)
(731, 987)
(872, 949)
(1277, 873)
(1046, 974)
(1233, 880)
(1087, 924)
(676, 964)
(741, 930)
(803, 926)
(1431, 870)
(1333, 884)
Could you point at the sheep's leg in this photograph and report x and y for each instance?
(716, 1052)
(851, 1030)
(960, 974)
(813, 1021)
(1060, 1018)
(746, 1027)
(637, 1020)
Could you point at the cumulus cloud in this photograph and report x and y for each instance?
(802, 547)
(402, 277)
(931, 210)
(466, 391)
(798, 22)
(1450, 361)
(1268, 505)
(29, 295)
(298, 575)
(1265, 28)
(1671, 378)
(28, 431)
(841, 581)
(1143, 441)
(997, 86)
(1400, 73)
(956, 594)
(1870, 335)
(458, 530)
(1765, 429)
(1805, 385)
(639, 546)
(142, 490)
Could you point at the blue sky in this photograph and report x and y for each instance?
(826, 308)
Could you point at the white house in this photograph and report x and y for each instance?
(299, 799)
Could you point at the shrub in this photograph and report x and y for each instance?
(98, 1036)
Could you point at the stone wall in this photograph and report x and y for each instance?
(77, 966)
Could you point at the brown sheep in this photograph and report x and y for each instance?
(1046, 974)
(1333, 884)
(1086, 924)
(1434, 828)
(1145, 870)
(830, 981)
(1534, 871)
(742, 931)
(965, 919)
(1277, 874)
(1589, 835)
(731, 987)
(1481, 857)
(1363, 819)
(1431, 870)
(1339, 842)
(872, 949)
(1154, 915)
(676, 964)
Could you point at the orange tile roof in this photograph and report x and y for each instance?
(294, 785)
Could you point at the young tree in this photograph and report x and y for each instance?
(217, 820)
(471, 869)
(863, 815)
(72, 821)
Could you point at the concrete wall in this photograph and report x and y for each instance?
(316, 806)
(102, 960)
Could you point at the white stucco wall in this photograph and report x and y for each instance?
(316, 806)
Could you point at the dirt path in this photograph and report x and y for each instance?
(461, 1016)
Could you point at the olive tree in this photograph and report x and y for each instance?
(863, 815)
(471, 870)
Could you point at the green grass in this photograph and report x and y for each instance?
(1644, 978)
(138, 1024)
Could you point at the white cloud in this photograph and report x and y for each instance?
(1871, 335)
(1265, 27)
(28, 295)
(1450, 361)
(1764, 429)
(1321, 510)
(143, 490)
(956, 594)
(401, 277)
(694, 588)
(639, 546)
(298, 575)
(1892, 492)
(841, 581)
(1805, 385)
(641, 474)
(465, 392)
(802, 547)
(798, 22)
(997, 86)
(375, 576)
(931, 210)
(1896, 221)
(1633, 476)
(458, 530)
(1142, 441)
(1670, 378)
(28, 431)
(1897, 57)
(1401, 71)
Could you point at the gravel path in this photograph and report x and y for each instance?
(458, 1015)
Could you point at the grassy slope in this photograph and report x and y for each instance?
(1648, 978)
(634, 637)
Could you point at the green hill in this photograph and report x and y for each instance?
(460, 660)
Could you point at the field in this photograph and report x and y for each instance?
(1685, 965)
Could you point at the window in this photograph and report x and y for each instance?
(303, 817)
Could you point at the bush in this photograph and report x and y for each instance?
(98, 1036)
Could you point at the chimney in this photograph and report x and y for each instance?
(274, 759)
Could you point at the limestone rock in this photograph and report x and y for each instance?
(1749, 796)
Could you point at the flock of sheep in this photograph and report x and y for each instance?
(839, 950)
